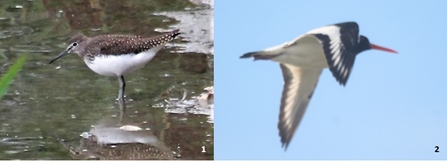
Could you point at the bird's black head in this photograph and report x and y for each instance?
(364, 45)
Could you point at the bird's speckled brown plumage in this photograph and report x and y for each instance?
(116, 55)
(118, 44)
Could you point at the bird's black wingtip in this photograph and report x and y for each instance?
(285, 146)
(342, 82)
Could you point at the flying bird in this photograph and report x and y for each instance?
(303, 59)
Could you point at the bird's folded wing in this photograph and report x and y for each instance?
(299, 85)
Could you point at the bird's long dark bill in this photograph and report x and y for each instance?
(382, 48)
(59, 56)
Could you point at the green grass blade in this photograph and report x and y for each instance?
(6, 79)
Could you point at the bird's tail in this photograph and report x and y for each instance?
(266, 54)
(259, 55)
(174, 33)
(164, 38)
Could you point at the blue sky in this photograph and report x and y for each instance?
(394, 106)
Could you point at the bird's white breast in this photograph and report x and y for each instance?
(117, 65)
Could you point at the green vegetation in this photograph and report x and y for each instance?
(6, 79)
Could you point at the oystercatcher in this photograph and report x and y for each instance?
(303, 59)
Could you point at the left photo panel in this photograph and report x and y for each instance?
(91, 79)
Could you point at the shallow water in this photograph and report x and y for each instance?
(48, 107)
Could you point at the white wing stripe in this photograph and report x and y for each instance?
(291, 96)
(336, 52)
(337, 59)
(299, 86)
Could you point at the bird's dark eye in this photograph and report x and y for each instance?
(75, 44)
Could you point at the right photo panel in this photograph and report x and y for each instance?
(330, 80)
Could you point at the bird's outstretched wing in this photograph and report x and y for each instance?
(299, 85)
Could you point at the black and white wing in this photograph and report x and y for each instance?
(299, 85)
(339, 41)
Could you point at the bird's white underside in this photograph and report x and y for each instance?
(306, 51)
(117, 65)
